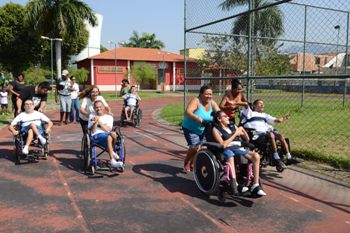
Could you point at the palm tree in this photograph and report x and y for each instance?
(266, 23)
(146, 40)
(61, 19)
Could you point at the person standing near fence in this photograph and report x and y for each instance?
(15, 89)
(197, 114)
(74, 88)
(233, 99)
(63, 89)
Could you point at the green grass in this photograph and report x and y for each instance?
(318, 131)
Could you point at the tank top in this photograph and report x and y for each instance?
(195, 126)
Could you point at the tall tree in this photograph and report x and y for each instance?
(146, 40)
(18, 46)
(61, 19)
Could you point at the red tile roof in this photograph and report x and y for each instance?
(139, 54)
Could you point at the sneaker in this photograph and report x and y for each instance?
(294, 161)
(25, 150)
(279, 164)
(115, 156)
(42, 140)
(187, 166)
(116, 164)
(257, 190)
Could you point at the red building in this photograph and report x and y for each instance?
(108, 69)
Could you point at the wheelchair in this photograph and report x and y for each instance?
(92, 151)
(136, 116)
(36, 150)
(210, 170)
(263, 147)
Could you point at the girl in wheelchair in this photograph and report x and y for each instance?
(30, 125)
(230, 137)
(100, 125)
(131, 100)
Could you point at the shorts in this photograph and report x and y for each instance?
(65, 103)
(228, 153)
(25, 129)
(101, 139)
(3, 106)
(193, 139)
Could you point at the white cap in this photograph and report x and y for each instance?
(65, 72)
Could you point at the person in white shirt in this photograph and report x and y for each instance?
(74, 88)
(4, 100)
(131, 101)
(101, 125)
(64, 92)
(260, 123)
(89, 96)
(31, 124)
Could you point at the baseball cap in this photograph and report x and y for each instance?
(65, 72)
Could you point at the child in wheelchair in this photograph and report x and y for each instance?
(259, 123)
(231, 137)
(30, 126)
(131, 100)
(100, 125)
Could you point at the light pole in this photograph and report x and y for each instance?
(337, 27)
(51, 39)
(115, 65)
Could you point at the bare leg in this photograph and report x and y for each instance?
(110, 146)
(255, 159)
(35, 129)
(126, 113)
(29, 137)
(284, 143)
(272, 139)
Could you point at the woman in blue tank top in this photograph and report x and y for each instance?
(197, 112)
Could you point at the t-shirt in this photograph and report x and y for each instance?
(89, 106)
(105, 119)
(74, 93)
(131, 99)
(258, 121)
(4, 97)
(29, 93)
(28, 118)
(17, 87)
(66, 85)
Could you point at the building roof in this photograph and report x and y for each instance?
(139, 54)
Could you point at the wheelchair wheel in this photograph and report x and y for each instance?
(86, 151)
(122, 118)
(137, 115)
(206, 172)
(119, 146)
(17, 151)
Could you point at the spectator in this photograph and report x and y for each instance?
(63, 89)
(74, 88)
(4, 100)
(15, 88)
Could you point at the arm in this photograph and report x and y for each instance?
(215, 106)
(219, 139)
(282, 118)
(12, 91)
(49, 126)
(193, 106)
(223, 103)
(12, 129)
(83, 106)
(42, 106)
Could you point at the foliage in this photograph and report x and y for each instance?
(103, 49)
(146, 40)
(5, 78)
(18, 46)
(61, 19)
(273, 64)
(143, 71)
(80, 74)
(35, 75)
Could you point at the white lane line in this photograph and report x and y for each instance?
(147, 136)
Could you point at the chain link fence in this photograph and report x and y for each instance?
(293, 54)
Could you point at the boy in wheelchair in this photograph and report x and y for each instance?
(30, 125)
(100, 125)
(258, 123)
(231, 138)
(130, 101)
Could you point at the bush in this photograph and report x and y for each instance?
(34, 75)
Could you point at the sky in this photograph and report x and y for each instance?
(121, 17)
